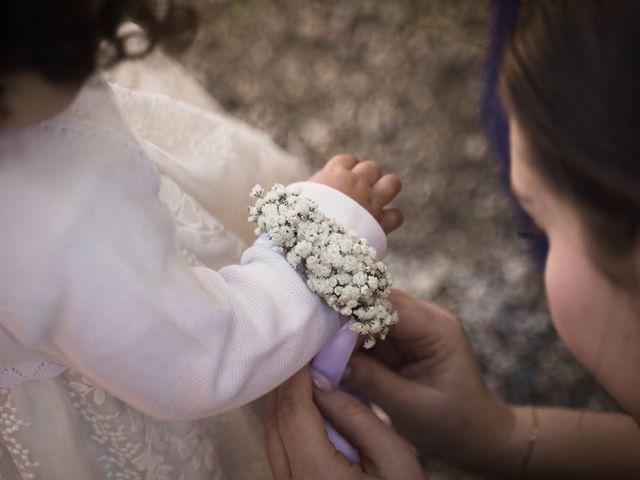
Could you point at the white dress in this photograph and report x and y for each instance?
(134, 320)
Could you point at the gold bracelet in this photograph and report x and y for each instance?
(533, 438)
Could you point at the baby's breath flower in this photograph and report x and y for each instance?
(360, 279)
(257, 191)
(339, 266)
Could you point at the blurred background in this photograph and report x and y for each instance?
(399, 81)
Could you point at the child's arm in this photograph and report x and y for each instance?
(118, 304)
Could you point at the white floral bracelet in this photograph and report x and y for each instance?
(339, 266)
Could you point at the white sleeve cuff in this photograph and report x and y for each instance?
(347, 212)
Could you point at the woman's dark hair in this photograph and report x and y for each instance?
(66, 40)
(571, 78)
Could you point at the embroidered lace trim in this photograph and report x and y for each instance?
(16, 374)
(10, 430)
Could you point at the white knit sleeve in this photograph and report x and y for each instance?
(176, 342)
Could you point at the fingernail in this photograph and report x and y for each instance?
(320, 381)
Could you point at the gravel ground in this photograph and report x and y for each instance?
(399, 81)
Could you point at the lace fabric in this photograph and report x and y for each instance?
(139, 447)
(202, 238)
(31, 370)
(113, 441)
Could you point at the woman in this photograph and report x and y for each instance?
(570, 82)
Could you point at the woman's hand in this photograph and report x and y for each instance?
(426, 378)
(298, 447)
(364, 183)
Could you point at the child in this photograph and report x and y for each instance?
(123, 319)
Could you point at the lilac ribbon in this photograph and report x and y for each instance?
(331, 361)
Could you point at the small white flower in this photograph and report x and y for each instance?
(360, 278)
(350, 263)
(369, 342)
(294, 189)
(257, 191)
(278, 189)
(293, 259)
(269, 210)
(303, 248)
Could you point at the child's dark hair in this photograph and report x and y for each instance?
(61, 39)
(571, 78)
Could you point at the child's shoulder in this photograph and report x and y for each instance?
(56, 174)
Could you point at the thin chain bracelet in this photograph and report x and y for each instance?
(534, 434)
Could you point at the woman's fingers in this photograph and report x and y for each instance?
(375, 382)
(388, 354)
(308, 450)
(297, 443)
(276, 453)
(384, 454)
(422, 324)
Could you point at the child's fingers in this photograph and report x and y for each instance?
(370, 170)
(386, 189)
(390, 219)
(343, 161)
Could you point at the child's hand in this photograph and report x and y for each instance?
(364, 183)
